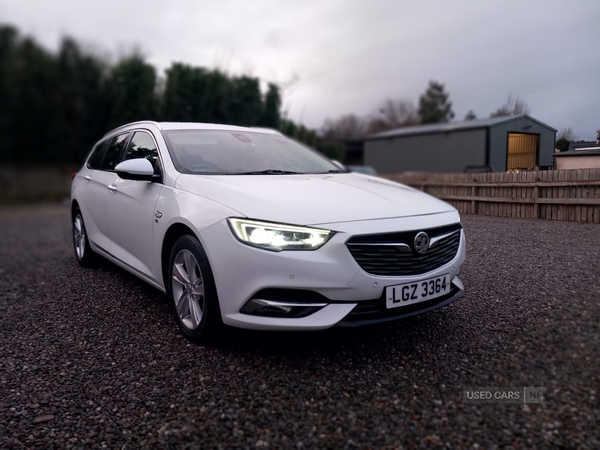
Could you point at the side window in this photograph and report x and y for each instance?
(97, 155)
(142, 146)
(113, 153)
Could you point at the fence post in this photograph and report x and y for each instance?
(474, 202)
(536, 205)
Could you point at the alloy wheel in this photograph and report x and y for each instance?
(188, 289)
(79, 236)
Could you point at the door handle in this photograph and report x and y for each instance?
(112, 188)
(87, 178)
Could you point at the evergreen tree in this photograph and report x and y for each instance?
(470, 115)
(181, 95)
(8, 43)
(434, 106)
(34, 105)
(271, 112)
(247, 102)
(80, 111)
(562, 144)
(129, 92)
(216, 98)
(55, 105)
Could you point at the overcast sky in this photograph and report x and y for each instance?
(347, 56)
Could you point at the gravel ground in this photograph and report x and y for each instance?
(91, 358)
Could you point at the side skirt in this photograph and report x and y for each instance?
(127, 267)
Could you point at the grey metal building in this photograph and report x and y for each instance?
(500, 144)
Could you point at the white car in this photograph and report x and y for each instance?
(247, 228)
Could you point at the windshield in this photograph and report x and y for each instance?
(237, 153)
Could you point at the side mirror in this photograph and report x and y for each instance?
(135, 169)
(339, 165)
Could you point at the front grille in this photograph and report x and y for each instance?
(376, 258)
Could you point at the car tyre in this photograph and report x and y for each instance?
(81, 244)
(192, 292)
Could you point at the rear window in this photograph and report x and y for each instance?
(232, 152)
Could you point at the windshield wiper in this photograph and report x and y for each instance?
(267, 172)
(336, 171)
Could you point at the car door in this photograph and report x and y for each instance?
(130, 210)
(98, 176)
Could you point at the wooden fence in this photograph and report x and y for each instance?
(549, 194)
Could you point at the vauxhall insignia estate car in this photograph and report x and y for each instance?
(247, 228)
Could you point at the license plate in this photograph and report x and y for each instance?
(420, 291)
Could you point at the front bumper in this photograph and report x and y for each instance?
(241, 271)
(370, 312)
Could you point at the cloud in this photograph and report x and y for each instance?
(349, 56)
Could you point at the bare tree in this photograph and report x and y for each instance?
(347, 127)
(566, 133)
(512, 107)
(393, 114)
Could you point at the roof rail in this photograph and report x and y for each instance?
(134, 123)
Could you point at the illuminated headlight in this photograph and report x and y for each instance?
(278, 237)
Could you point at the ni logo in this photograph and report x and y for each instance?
(421, 242)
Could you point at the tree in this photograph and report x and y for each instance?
(566, 133)
(8, 45)
(346, 127)
(470, 116)
(247, 102)
(393, 114)
(434, 106)
(562, 144)
(182, 95)
(130, 92)
(79, 120)
(216, 98)
(512, 107)
(311, 138)
(271, 115)
(288, 127)
(333, 150)
(55, 105)
(565, 136)
(34, 104)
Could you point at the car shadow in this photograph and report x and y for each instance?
(404, 335)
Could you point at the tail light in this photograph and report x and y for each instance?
(73, 175)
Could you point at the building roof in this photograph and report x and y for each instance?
(587, 152)
(582, 145)
(447, 127)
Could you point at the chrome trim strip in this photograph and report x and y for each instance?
(400, 245)
(434, 240)
(458, 283)
(128, 268)
(284, 303)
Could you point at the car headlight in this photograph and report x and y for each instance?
(278, 237)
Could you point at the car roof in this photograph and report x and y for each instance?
(170, 126)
